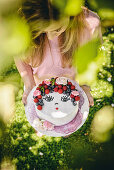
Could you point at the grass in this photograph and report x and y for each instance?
(22, 149)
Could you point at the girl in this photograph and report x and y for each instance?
(54, 40)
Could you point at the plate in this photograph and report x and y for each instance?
(63, 130)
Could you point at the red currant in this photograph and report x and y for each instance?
(77, 98)
(36, 100)
(55, 89)
(47, 91)
(38, 88)
(60, 91)
(39, 107)
(72, 87)
(60, 86)
(72, 96)
(69, 83)
(64, 88)
(39, 96)
(46, 86)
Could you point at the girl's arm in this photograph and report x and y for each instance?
(25, 71)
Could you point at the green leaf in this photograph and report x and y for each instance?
(85, 54)
(73, 7)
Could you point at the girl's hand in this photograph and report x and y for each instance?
(25, 95)
(87, 91)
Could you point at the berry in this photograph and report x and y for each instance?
(56, 84)
(72, 96)
(40, 85)
(69, 83)
(64, 88)
(55, 89)
(72, 87)
(60, 91)
(43, 83)
(77, 98)
(60, 86)
(39, 107)
(74, 103)
(47, 91)
(46, 86)
(39, 96)
(36, 100)
(38, 88)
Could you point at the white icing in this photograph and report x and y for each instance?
(65, 113)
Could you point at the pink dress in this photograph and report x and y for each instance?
(51, 65)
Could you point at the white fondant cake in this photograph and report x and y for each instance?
(56, 100)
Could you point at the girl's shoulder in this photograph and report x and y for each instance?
(92, 18)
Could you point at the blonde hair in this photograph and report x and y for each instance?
(69, 40)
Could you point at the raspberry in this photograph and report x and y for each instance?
(47, 91)
(64, 88)
(72, 87)
(60, 86)
(39, 107)
(39, 96)
(46, 86)
(77, 98)
(55, 89)
(72, 96)
(36, 100)
(69, 83)
(38, 88)
(60, 91)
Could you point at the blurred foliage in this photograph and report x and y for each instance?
(104, 8)
(87, 54)
(69, 7)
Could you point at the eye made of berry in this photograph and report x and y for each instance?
(48, 98)
(65, 98)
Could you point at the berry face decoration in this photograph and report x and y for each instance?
(56, 100)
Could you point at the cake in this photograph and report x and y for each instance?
(56, 100)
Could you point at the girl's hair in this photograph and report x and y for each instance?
(38, 14)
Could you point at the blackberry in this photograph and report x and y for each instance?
(74, 103)
(64, 92)
(43, 94)
(40, 100)
(41, 103)
(72, 100)
(34, 97)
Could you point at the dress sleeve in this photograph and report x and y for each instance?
(94, 24)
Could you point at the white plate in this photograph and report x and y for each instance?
(32, 115)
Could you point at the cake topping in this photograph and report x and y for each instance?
(59, 85)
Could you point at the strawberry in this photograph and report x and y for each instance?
(39, 107)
